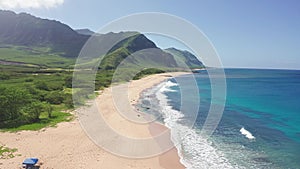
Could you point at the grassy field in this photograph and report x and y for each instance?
(34, 57)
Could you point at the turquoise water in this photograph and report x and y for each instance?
(266, 103)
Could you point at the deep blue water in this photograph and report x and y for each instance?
(266, 103)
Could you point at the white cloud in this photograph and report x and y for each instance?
(25, 4)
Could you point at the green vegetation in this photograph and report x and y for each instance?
(45, 121)
(32, 98)
(185, 59)
(6, 153)
(146, 72)
(142, 53)
(34, 101)
(52, 36)
(33, 57)
(103, 79)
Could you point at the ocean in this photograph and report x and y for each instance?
(259, 128)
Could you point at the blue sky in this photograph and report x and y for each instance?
(252, 33)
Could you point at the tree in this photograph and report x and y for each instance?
(69, 101)
(34, 110)
(12, 100)
(54, 97)
(49, 109)
(68, 81)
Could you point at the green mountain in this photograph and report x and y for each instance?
(141, 51)
(27, 30)
(185, 58)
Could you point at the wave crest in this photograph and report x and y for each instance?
(247, 133)
(167, 87)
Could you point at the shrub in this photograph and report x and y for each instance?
(54, 97)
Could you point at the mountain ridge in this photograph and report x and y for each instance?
(85, 31)
(60, 39)
(185, 58)
(27, 30)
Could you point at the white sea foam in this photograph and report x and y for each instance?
(194, 151)
(247, 133)
(166, 87)
(170, 84)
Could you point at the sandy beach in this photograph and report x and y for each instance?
(68, 146)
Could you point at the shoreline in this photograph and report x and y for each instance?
(69, 146)
(172, 154)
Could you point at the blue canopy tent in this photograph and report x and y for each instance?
(29, 163)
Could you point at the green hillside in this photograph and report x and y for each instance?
(185, 58)
(142, 52)
(26, 30)
(33, 57)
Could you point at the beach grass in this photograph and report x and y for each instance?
(6, 153)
